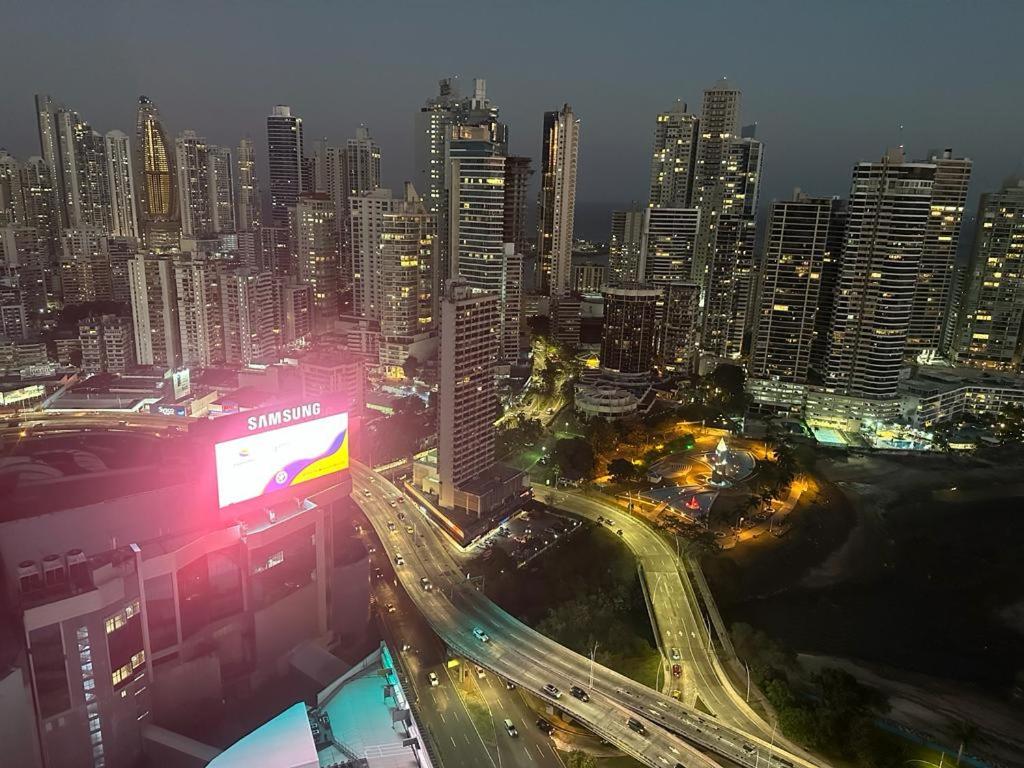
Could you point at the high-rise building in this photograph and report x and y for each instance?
(49, 149)
(366, 230)
(726, 181)
(408, 252)
(674, 158)
(668, 244)
(247, 302)
(107, 345)
(470, 320)
(728, 234)
(23, 258)
(991, 328)
(624, 246)
(221, 174)
(517, 182)
(433, 131)
(938, 259)
(318, 260)
(362, 163)
(118, 251)
(197, 287)
(84, 167)
(41, 204)
(799, 243)
(679, 324)
(192, 154)
(159, 218)
(295, 304)
(284, 153)
(557, 203)
(121, 179)
(248, 196)
(155, 310)
(12, 201)
(890, 203)
(84, 269)
(630, 336)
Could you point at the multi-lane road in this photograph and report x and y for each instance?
(663, 731)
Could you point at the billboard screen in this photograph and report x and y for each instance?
(277, 453)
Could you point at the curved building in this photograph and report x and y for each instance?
(159, 218)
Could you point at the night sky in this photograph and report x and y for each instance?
(828, 82)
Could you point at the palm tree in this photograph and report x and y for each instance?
(965, 732)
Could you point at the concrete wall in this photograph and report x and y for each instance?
(17, 722)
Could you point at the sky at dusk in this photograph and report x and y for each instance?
(829, 83)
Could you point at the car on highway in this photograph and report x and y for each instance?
(391, 526)
(480, 672)
(410, 530)
(399, 560)
(378, 572)
(748, 748)
(677, 671)
(552, 691)
(432, 679)
(511, 728)
(425, 583)
(609, 521)
(544, 725)
(390, 607)
(509, 685)
(675, 654)
(636, 726)
(480, 635)
(579, 693)
(619, 531)
(367, 493)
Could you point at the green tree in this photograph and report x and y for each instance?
(577, 759)
(622, 469)
(575, 457)
(799, 724)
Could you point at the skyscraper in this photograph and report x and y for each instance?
(155, 310)
(557, 202)
(629, 339)
(991, 328)
(107, 344)
(284, 153)
(433, 130)
(221, 175)
(316, 237)
(679, 337)
(517, 182)
(890, 203)
(192, 155)
(466, 395)
(200, 318)
(407, 256)
(84, 168)
(84, 270)
(247, 303)
(674, 158)
(367, 230)
(476, 221)
(12, 208)
(938, 258)
(668, 244)
(159, 219)
(49, 148)
(121, 179)
(625, 245)
(799, 244)
(248, 197)
(362, 163)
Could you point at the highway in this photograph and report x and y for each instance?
(679, 624)
(454, 608)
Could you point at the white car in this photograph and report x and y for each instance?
(675, 654)
(552, 691)
(480, 672)
(399, 560)
(480, 635)
(432, 679)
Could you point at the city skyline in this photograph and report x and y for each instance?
(857, 109)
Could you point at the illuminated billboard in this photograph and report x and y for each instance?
(280, 449)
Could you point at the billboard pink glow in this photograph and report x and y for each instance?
(263, 463)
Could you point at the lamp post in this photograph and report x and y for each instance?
(593, 653)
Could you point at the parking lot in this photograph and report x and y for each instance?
(528, 534)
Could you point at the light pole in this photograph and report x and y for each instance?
(748, 680)
(593, 653)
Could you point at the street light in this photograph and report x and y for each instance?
(593, 653)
